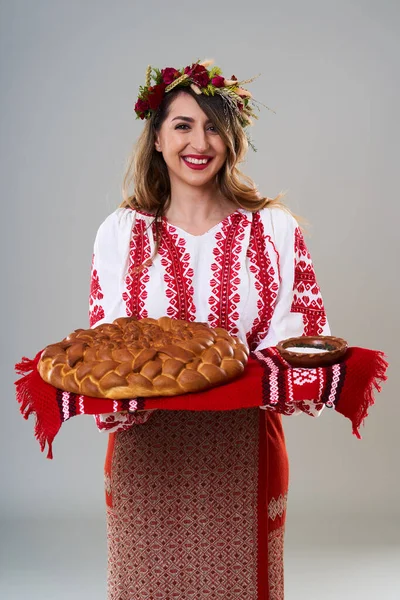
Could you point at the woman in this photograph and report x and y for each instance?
(196, 502)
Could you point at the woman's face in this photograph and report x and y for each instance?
(186, 133)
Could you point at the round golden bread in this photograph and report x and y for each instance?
(146, 357)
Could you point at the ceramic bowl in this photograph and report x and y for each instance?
(313, 351)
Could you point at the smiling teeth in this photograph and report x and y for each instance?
(197, 161)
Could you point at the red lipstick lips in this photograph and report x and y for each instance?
(197, 167)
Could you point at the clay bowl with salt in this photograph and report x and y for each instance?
(313, 351)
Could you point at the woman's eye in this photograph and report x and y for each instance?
(184, 125)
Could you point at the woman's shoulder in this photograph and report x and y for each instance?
(120, 219)
(278, 220)
(115, 228)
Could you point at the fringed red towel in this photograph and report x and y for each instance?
(268, 382)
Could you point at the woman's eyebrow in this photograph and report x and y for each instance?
(188, 119)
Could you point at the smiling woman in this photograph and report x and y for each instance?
(196, 502)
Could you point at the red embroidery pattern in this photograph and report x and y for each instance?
(178, 274)
(95, 289)
(307, 296)
(96, 312)
(121, 421)
(225, 281)
(135, 283)
(265, 284)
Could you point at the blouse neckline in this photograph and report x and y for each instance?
(193, 235)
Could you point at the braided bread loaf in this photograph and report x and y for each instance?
(146, 357)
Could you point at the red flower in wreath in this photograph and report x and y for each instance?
(169, 74)
(155, 96)
(141, 107)
(199, 74)
(218, 81)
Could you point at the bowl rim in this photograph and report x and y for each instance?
(342, 346)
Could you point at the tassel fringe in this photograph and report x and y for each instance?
(27, 399)
(357, 411)
(27, 364)
(378, 376)
(26, 368)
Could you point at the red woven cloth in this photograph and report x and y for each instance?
(268, 381)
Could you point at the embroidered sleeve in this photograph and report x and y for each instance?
(299, 309)
(121, 421)
(307, 300)
(309, 407)
(106, 301)
(109, 258)
(96, 310)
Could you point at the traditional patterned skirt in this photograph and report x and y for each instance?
(196, 507)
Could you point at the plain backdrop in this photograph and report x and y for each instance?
(70, 73)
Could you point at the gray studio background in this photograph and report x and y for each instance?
(70, 73)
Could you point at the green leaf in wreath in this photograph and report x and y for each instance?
(214, 71)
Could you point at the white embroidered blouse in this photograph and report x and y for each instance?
(251, 274)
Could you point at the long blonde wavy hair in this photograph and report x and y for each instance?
(148, 172)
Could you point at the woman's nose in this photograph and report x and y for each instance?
(199, 140)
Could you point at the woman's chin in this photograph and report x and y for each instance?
(196, 178)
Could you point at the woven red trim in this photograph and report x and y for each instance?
(262, 511)
(108, 468)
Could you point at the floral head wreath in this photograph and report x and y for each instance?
(202, 81)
